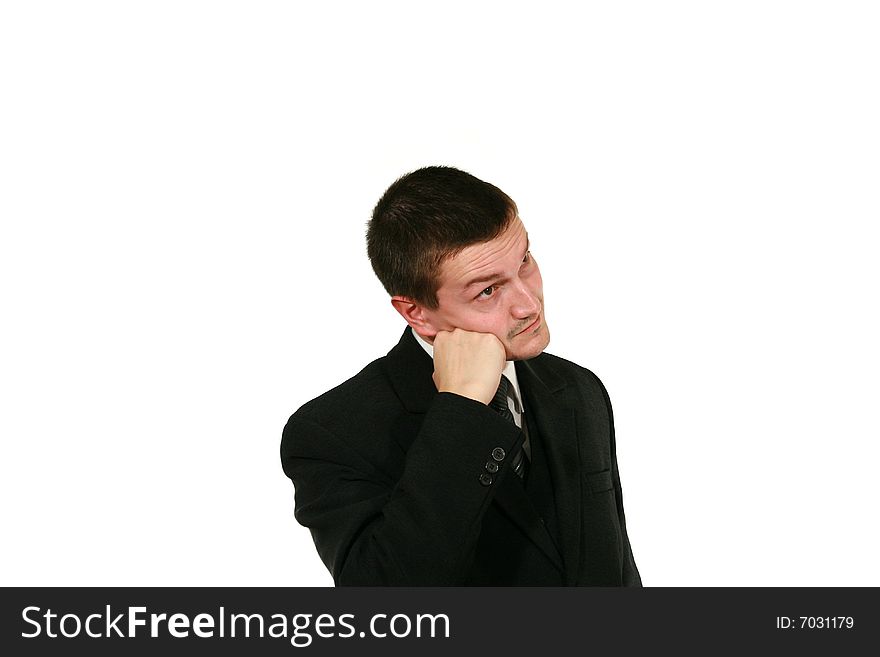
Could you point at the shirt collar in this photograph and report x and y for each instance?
(509, 369)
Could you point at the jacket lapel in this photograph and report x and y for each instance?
(543, 390)
(411, 370)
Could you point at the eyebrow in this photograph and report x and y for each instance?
(494, 276)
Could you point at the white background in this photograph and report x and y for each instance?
(185, 187)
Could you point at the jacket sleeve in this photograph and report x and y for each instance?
(420, 530)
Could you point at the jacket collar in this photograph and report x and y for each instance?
(411, 371)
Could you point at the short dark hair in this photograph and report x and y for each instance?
(426, 216)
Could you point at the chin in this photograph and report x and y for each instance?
(536, 347)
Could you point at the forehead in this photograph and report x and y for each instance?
(500, 256)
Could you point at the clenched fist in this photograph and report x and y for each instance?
(468, 364)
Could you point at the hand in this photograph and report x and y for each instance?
(468, 364)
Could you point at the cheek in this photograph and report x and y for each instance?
(463, 317)
(483, 321)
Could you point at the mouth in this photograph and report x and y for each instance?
(533, 326)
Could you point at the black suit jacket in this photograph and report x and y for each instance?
(391, 478)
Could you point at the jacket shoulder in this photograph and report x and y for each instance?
(367, 383)
(570, 371)
(366, 398)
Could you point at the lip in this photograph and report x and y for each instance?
(532, 326)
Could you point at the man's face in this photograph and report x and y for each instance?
(493, 287)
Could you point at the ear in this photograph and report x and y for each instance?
(416, 315)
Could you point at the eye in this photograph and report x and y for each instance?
(488, 292)
(527, 258)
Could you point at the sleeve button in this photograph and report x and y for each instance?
(486, 479)
(498, 454)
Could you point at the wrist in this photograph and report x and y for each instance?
(471, 392)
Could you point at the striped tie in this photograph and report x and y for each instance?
(500, 405)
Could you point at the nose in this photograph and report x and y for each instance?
(526, 303)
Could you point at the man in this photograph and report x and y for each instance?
(466, 456)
